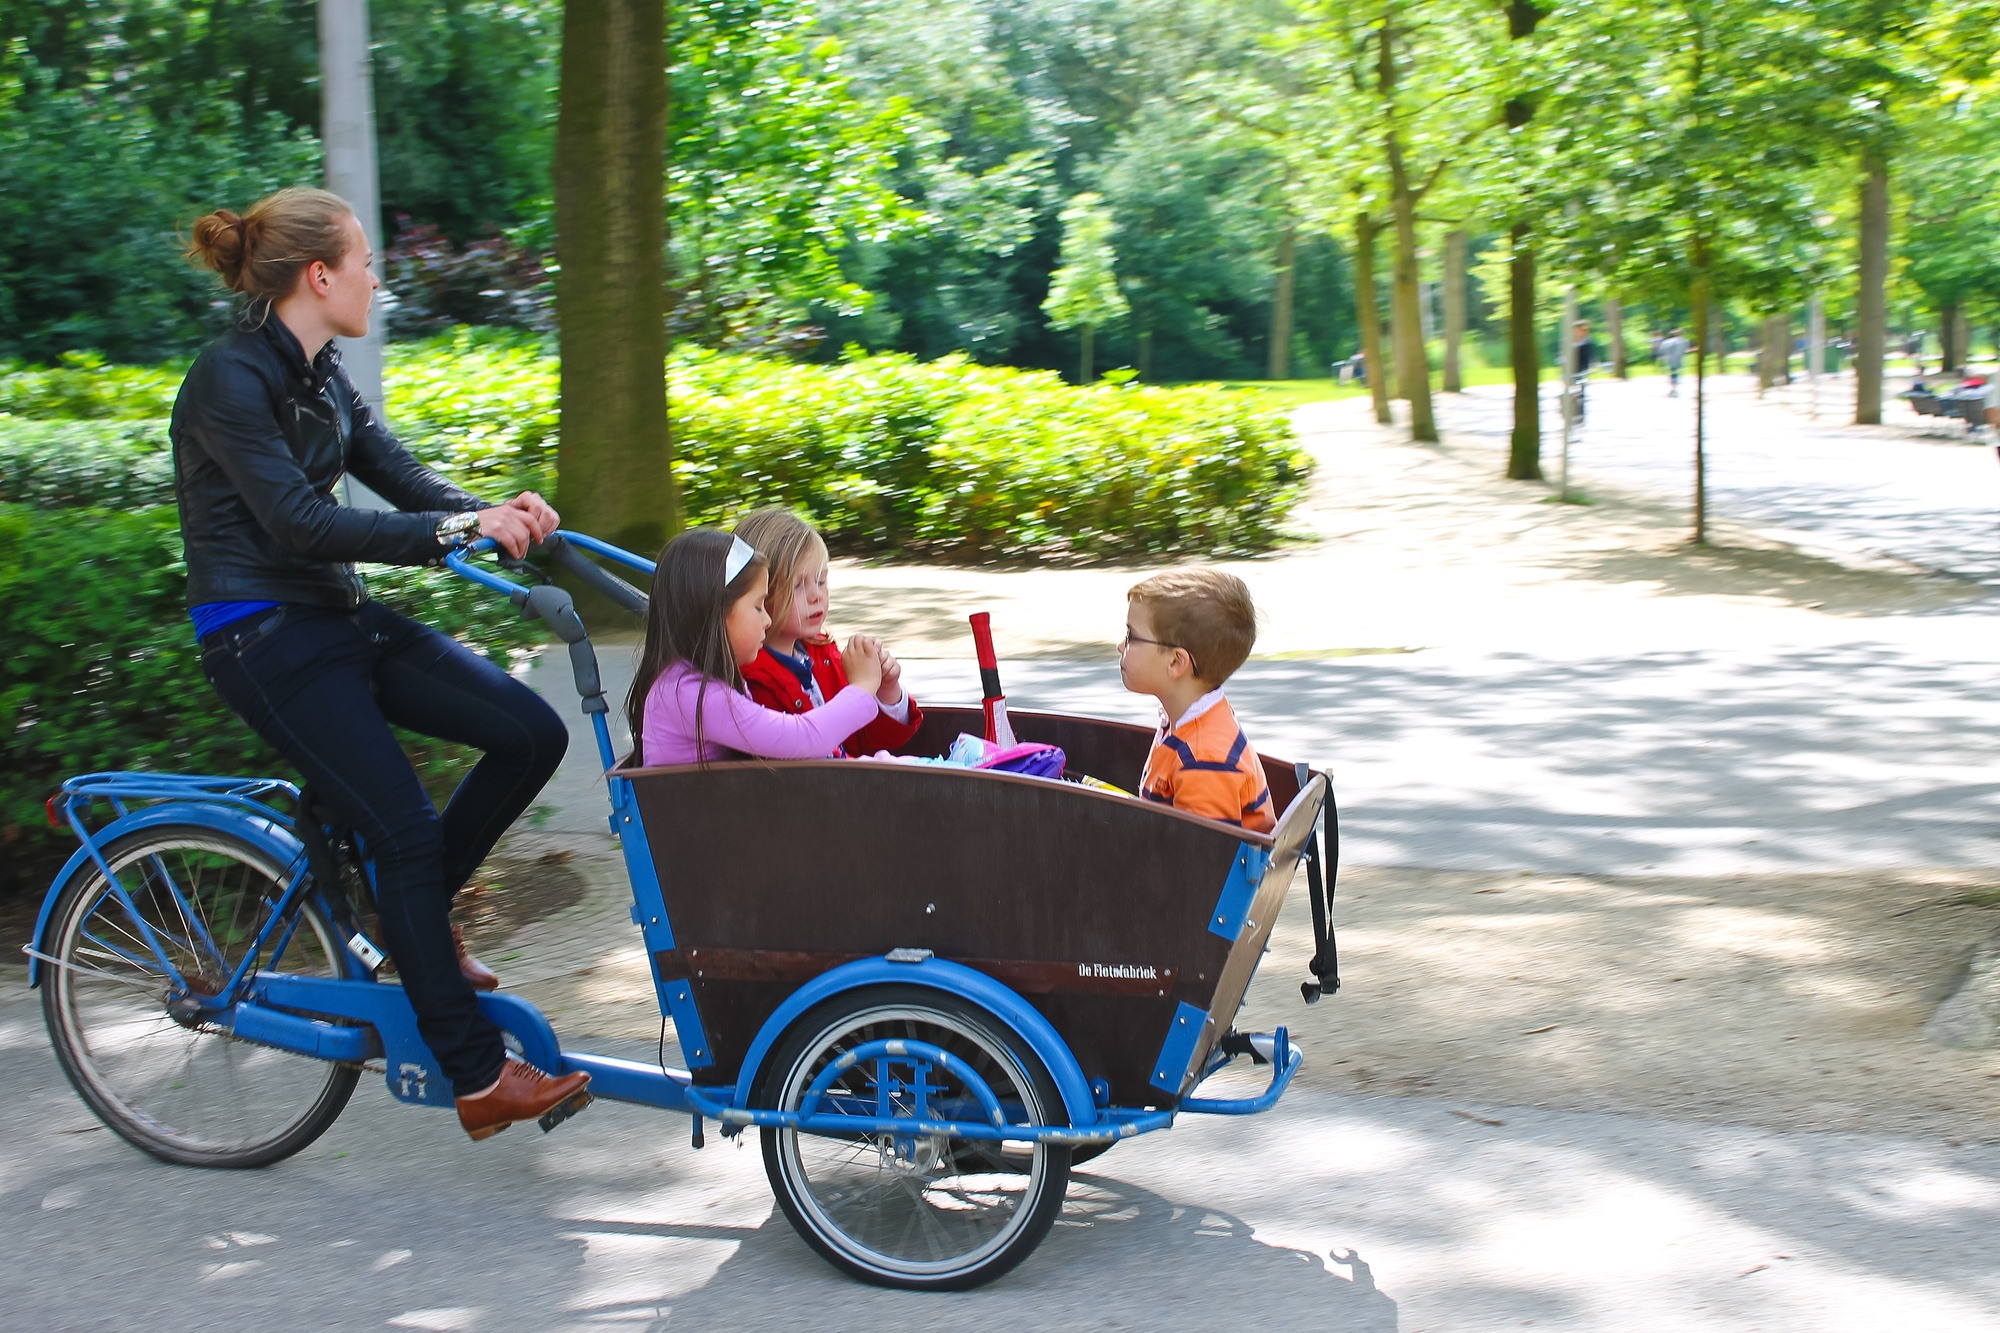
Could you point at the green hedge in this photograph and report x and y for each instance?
(942, 459)
(954, 460)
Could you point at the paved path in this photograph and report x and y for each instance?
(1912, 490)
(1362, 1214)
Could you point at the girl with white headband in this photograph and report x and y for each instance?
(705, 622)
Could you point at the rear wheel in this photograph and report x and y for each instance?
(175, 1084)
(924, 1212)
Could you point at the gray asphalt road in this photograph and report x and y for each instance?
(1334, 1212)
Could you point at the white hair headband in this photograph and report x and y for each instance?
(740, 555)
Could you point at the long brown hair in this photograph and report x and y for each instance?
(262, 252)
(687, 621)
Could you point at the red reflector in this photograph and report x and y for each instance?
(50, 806)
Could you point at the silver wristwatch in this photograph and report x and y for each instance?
(456, 530)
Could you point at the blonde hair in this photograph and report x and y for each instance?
(1204, 611)
(261, 253)
(786, 541)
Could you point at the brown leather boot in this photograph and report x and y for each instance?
(523, 1093)
(481, 976)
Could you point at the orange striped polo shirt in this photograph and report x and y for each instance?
(1205, 766)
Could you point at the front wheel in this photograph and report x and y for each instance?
(922, 1212)
(181, 1088)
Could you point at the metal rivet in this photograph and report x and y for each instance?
(930, 907)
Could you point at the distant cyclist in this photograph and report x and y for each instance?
(265, 427)
(1583, 357)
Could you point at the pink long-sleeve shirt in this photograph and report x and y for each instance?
(733, 724)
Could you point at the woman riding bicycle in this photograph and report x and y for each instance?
(265, 427)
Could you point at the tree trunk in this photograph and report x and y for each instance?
(1614, 329)
(1398, 372)
(1948, 357)
(1145, 355)
(1281, 306)
(1366, 302)
(1454, 310)
(1771, 337)
(1084, 366)
(615, 458)
(1524, 451)
(1413, 364)
(1871, 310)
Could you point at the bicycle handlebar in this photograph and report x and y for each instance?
(555, 608)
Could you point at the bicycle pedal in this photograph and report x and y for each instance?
(563, 1110)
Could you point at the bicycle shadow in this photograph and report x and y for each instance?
(1118, 1257)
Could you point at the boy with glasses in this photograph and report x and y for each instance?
(1186, 632)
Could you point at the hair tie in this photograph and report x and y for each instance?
(740, 554)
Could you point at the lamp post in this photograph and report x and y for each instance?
(347, 137)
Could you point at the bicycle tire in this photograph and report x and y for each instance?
(107, 1017)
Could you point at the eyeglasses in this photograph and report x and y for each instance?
(1129, 638)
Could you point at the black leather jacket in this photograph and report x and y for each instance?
(261, 440)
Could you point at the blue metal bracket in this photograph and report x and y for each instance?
(1285, 1060)
(1177, 1052)
(649, 910)
(1237, 891)
(1111, 1126)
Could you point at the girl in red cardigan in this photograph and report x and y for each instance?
(799, 667)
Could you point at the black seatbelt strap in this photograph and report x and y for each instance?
(1319, 889)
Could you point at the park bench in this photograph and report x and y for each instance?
(1965, 403)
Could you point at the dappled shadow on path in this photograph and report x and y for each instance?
(1696, 761)
(1120, 1256)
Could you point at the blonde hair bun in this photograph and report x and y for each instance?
(262, 252)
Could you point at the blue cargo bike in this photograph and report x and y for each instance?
(998, 976)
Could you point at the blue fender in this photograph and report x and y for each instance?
(953, 979)
(267, 835)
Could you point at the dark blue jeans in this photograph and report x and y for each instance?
(322, 686)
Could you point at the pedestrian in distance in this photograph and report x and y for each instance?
(1673, 351)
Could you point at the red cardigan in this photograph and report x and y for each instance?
(772, 684)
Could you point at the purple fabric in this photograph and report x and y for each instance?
(1036, 761)
(733, 724)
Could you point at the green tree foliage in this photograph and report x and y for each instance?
(1027, 102)
(123, 120)
(1950, 179)
(1083, 291)
(89, 203)
(1709, 126)
(773, 165)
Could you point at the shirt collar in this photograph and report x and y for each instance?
(1195, 710)
(799, 665)
(281, 337)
